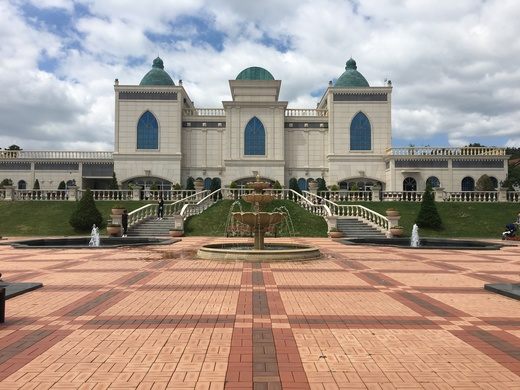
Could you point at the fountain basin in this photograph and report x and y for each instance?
(258, 198)
(425, 243)
(83, 242)
(258, 220)
(246, 252)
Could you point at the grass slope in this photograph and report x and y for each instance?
(213, 221)
(35, 218)
(479, 220)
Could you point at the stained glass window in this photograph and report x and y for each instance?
(360, 133)
(254, 138)
(147, 132)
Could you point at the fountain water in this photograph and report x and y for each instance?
(415, 241)
(259, 222)
(94, 236)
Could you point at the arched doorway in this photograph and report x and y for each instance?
(467, 184)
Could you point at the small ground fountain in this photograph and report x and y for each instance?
(94, 236)
(259, 222)
(415, 241)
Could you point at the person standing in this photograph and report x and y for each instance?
(160, 208)
(124, 222)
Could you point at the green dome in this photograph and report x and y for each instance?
(255, 73)
(351, 78)
(157, 75)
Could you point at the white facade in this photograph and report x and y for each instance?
(346, 139)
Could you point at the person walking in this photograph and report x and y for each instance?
(124, 222)
(160, 208)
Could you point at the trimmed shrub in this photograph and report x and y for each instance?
(277, 185)
(62, 185)
(293, 185)
(113, 183)
(215, 185)
(322, 185)
(177, 187)
(484, 183)
(428, 216)
(6, 182)
(190, 184)
(36, 185)
(86, 214)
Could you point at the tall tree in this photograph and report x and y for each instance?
(428, 216)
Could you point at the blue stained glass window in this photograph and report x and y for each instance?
(254, 138)
(302, 184)
(207, 183)
(147, 132)
(360, 133)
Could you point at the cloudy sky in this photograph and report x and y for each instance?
(454, 65)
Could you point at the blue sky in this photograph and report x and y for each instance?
(453, 65)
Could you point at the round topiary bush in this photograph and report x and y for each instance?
(86, 214)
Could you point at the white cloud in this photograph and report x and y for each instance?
(454, 65)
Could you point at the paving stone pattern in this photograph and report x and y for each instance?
(359, 318)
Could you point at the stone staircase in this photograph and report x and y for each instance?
(152, 228)
(354, 228)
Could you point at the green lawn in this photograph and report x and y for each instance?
(34, 218)
(485, 220)
(479, 220)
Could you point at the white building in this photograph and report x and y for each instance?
(162, 138)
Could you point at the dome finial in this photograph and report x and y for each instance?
(158, 63)
(351, 64)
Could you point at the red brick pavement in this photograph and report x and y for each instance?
(359, 318)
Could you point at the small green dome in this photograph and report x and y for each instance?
(255, 73)
(351, 78)
(157, 75)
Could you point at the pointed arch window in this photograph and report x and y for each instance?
(254, 138)
(147, 132)
(360, 133)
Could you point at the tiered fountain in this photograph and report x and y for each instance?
(259, 222)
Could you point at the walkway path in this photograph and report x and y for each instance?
(361, 318)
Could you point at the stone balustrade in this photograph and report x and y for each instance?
(429, 151)
(53, 155)
(204, 112)
(291, 112)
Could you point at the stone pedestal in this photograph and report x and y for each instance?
(438, 194)
(178, 222)
(9, 192)
(199, 186)
(376, 193)
(136, 193)
(332, 222)
(393, 220)
(502, 194)
(313, 187)
(72, 193)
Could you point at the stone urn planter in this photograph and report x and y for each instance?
(392, 213)
(313, 185)
(117, 210)
(335, 233)
(397, 231)
(198, 184)
(176, 233)
(114, 230)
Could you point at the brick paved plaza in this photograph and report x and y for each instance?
(360, 318)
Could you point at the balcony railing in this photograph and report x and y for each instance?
(204, 112)
(306, 112)
(53, 155)
(464, 151)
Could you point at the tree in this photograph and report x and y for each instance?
(513, 178)
(113, 183)
(428, 216)
(215, 185)
(86, 214)
(293, 185)
(14, 147)
(484, 183)
(277, 185)
(6, 182)
(322, 185)
(36, 185)
(190, 184)
(62, 185)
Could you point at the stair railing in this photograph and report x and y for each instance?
(150, 210)
(354, 210)
(190, 209)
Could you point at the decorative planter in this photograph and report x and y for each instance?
(313, 185)
(114, 231)
(117, 211)
(335, 234)
(396, 231)
(176, 233)
(392, 213)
